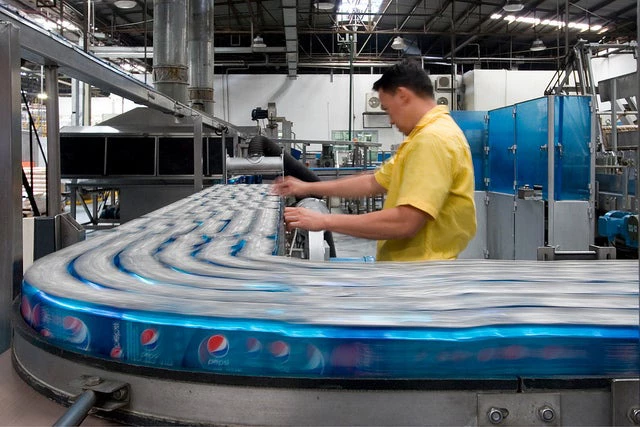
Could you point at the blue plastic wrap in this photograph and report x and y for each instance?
(194, 287)
(532, 134)
(573, 157)
(474, 126)
(501, 159)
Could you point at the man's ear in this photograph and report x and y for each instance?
(404, 94)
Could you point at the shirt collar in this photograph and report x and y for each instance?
(430, 116)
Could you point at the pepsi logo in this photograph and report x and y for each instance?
(217, 345)
(514, 352)
(254, 347)
(25, 309)
(116, 353)
(212, 351)
(36, 315)
(76, 331)
(315, 360)
(280, 351)
(149, 338)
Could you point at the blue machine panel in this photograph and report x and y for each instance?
(573, 157)
(474, 126)
(501, 158)
(531, 136)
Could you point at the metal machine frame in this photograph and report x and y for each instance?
(174, 397)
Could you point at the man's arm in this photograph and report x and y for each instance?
(352, 186)
(401, 222)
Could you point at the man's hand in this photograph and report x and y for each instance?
(305, 218)
(289, 186)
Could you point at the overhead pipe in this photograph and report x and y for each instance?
(170, 66)
(201, 55)
(357, 63)
(364, 64)
(139, 52)
(243, 65)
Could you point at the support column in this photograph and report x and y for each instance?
(170, 69)
(200, 49)
(224, 158)
(197, 154)
(551, 164)
(78, 102)
(53, 142)
(10, 177)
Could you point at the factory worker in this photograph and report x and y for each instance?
(429, 212)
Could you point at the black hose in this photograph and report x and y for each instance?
(262, 146)
(255, 147)
(78, 411)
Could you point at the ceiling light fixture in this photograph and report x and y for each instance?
(324, 5)
(398, 43)
(537, 45)
(513, 6)
(125, 4)
(258, 42)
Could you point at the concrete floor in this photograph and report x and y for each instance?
(20, 405)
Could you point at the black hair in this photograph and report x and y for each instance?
(407, 74)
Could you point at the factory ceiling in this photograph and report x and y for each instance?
(469, 33)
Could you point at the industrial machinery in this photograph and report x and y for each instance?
(621, 230)
(616, 161)
(615, 109)
(188, 315)
(311, 245)
(148, 156)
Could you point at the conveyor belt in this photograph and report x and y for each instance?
(196, 286)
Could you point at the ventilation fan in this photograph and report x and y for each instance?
(443, 100)
(372, 103)
(443, 82)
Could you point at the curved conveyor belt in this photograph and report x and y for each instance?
(197, 287)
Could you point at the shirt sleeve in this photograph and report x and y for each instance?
(383, 174)
(427, 175)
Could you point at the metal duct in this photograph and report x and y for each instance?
(289, 16)
(259, 165)
(201, 54)
(170, 70)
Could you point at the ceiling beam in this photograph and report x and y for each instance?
(410, 14)
(464, 15)
(456, 22)
(250, 9)
(235, 12)
(429, 23)
(379, 16)
(260, 12)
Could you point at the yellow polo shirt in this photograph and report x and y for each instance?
(431, 171)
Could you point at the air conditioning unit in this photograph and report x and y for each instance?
(372, 103)
(443, 82)
(443, 99)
